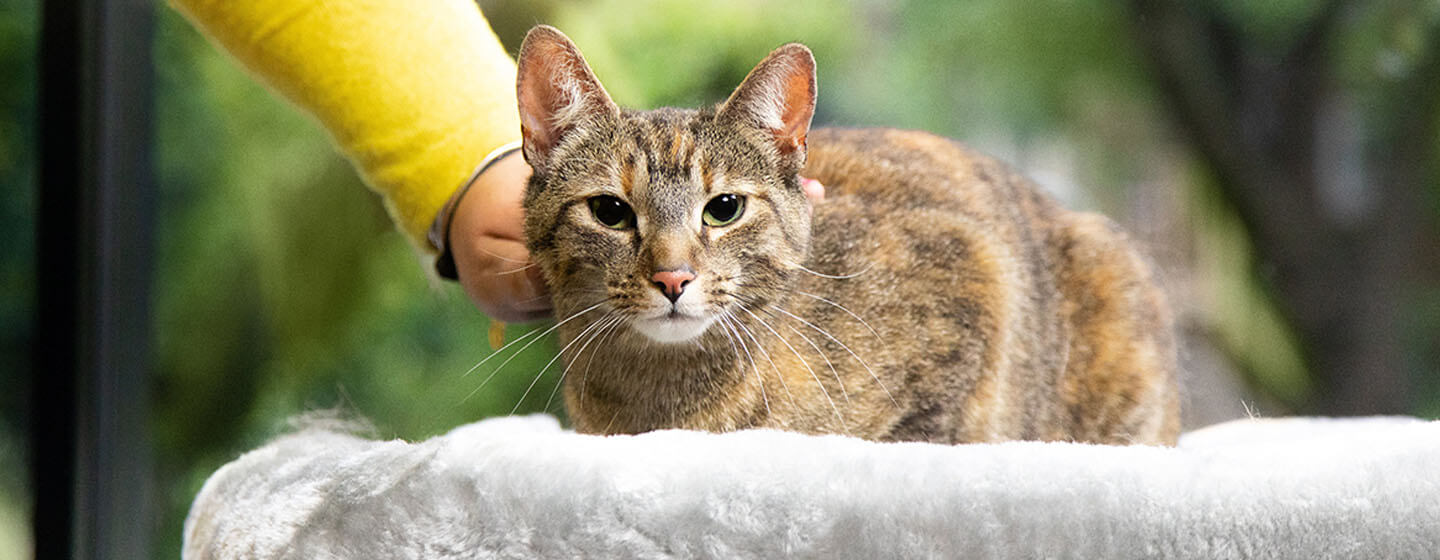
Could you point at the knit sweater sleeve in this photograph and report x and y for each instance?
(415, 92)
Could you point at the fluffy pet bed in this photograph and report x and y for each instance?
(522, 487)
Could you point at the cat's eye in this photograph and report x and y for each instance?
(612, 212)
(723, 210)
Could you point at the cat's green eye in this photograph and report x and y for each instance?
(723, 210)
(612, 212)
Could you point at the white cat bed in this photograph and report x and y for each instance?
(522, 488)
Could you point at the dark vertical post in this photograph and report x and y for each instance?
(91, 454)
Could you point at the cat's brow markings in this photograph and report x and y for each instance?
(681, 147)
(711, 177)
(627, 174)
(698, 168)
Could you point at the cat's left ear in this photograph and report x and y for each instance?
(778, 97)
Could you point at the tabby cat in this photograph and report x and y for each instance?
(934, 295)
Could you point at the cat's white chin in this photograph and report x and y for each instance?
(672, 329)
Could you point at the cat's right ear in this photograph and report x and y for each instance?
(557, 94)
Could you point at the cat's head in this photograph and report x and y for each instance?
(669, 218)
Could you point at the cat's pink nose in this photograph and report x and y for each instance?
(672, 282)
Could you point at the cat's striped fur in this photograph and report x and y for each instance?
(934, 295)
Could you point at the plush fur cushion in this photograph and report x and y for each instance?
(523, 487)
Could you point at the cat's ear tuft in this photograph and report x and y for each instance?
(557, 93)
(778, 96)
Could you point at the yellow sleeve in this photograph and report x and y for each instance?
(415, 92)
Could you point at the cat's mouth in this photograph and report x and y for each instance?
(672, 327)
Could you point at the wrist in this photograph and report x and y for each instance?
(439, 233)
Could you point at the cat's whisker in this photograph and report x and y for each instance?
(540, 297)
(847, 311)
(730, 321)
(608, 320)
(585, 377)
(766, 355)
(544, 296)
(831, 276)
(842, 308)
(558, 355)
(521, 269)
(726, 329)
(527, 345)
(502, 349)
(847, 349)
(613, 416)
(805, 363)
(836, 374)
(501, 257)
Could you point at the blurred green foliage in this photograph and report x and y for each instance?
(281, 286)
(18, 32)
(667, 56)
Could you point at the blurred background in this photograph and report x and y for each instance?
(1280, 160)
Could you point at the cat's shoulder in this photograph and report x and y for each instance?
(917, 168)
(879, 139)
(909, 151)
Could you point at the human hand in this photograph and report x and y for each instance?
(813, 189)
(487, 240)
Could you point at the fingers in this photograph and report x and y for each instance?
(499, 277)
(813, 189)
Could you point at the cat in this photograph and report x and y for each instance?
(933, 295)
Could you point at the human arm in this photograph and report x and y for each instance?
(414, 93)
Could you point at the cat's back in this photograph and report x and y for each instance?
(1044, 323)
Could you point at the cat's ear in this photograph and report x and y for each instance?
(779, 97)
(557, 93)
